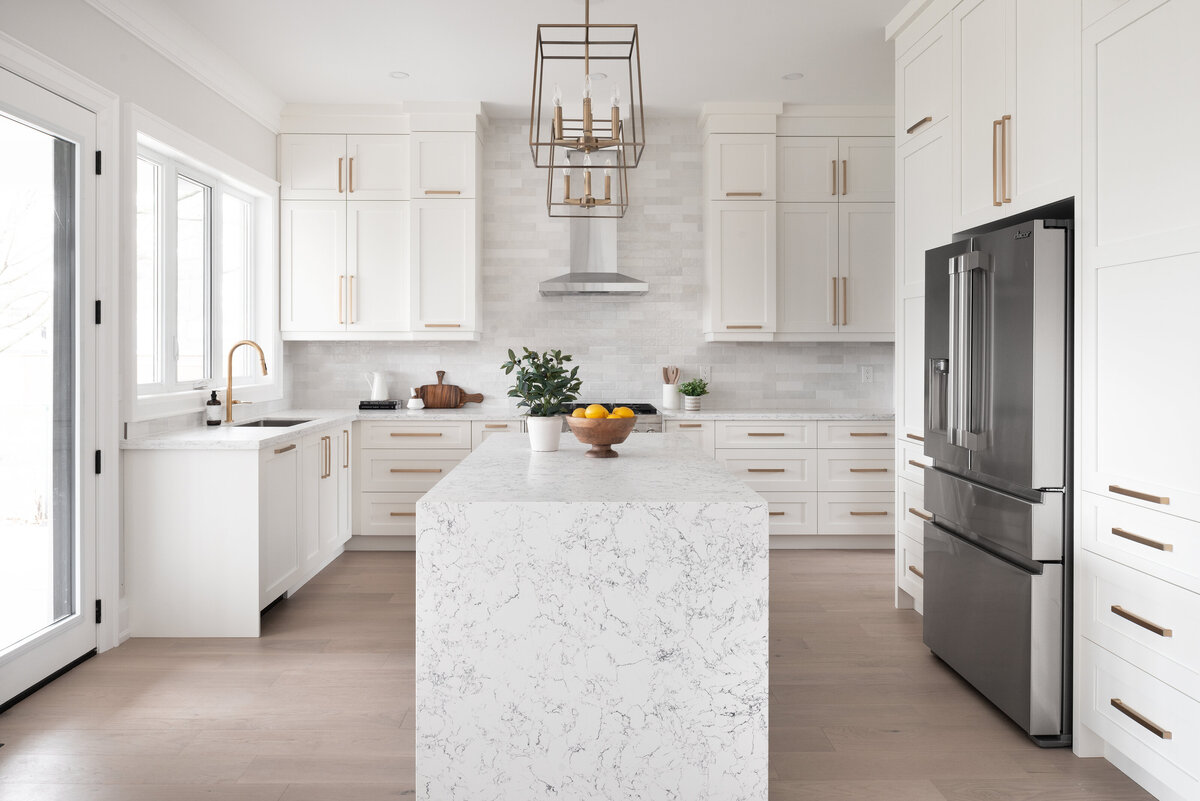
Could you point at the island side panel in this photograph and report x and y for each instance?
(592, 650)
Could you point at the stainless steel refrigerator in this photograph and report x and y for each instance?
(997, 427)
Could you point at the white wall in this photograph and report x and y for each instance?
(621, 344)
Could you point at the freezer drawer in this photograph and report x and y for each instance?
(998, 626)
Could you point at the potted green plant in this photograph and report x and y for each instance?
(692, 392)
(544, 385)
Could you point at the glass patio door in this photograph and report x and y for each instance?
(47, 371)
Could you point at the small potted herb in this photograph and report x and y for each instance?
(544, 386)
(692, 392)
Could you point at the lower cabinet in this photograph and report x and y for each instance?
(279, 547)
(701, 432)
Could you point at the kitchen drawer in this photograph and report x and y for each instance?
(387, 513)
(1159, 544)
(1144, 620)
(482, 429)
(911, 461)
(856, 513)
(792, 512)
(742, 434)
(910, 569)
(852, 434)
(910, 509)
(855, 470)
(396, 470)
(768, 470)
(383, 434)
(703, 432)
(1167, 744)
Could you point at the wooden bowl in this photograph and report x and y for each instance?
(601, 433)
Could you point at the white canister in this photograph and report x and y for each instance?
(544, 432)
(691, 403)
(670, 396)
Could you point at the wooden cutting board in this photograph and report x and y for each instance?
(446, 396)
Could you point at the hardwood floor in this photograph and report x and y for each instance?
(321, 706)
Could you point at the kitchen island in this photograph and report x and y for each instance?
(591, 628)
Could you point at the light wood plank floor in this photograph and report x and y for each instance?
(321, 706)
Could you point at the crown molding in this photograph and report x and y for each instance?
(170, 36)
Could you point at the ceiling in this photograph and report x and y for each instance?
(342, 51)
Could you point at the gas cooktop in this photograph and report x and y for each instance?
(640, 409)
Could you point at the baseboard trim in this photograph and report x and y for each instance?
(833, 542)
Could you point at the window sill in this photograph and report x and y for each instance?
(191, 401)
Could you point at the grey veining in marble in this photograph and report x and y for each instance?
(591, 629)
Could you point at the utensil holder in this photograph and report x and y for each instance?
(670, 398)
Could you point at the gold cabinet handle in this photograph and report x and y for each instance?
(351, 169)
(1141, 496)
(995, 158)
(691, 425)
(341, 300)
(350, 297)
(403, 514)
(416, 470)
(917, 437)
(916, 572)
(845, 302)
(915, 463)
(443, 325)
(443, 192)
(1004, 158)
(845, 180)
(868, 469)
(1149, 543)
(868, 514)
(918, 124)
(346, 458)
(835, 294)
(766, 470)
(919, 513)
(743, 194)
(1140, 719)
(776, 514)
(285, 449)
(1138, 620)
(743, 327)
(765, 434)
(868, 433)
(495, 425)
(340, 190)
(834, 192)
(415, 434)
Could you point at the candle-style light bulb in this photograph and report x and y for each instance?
(616, 97)
(566, 184)
(587, 86)
(557, 95)
(607, 180)
(557, 133)
(587, 175)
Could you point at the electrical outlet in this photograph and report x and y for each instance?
(706, 374)
(868, 373)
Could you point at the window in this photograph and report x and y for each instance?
(194, 295)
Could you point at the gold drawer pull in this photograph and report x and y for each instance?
(916, 572)
(416, 469)
(443, 191)
(917, 437)
(403, 514)
(743, 327)
(918, 124)
(765, 470)
(915, 463)
(1129, 535)
(415, 434)
(868, 514)
(743, 194)
(691, 425)
(868, 433)
(1140, 719)
(495, 425)
(766, 434)
(443, 325)
(868, 469)
(776, 514)
(919, 513)
(1137, 620)
(285, 449)
(1141, 496)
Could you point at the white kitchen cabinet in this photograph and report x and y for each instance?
(377, 166)
(856, 513)
(910, 368)
(341, 167)
(741, 268)
(924, 210)
(855, 434)
(865, 278)
(740, 167)
(482, 429)
(444, 260)
(808, 169)
(444, 164)
(910, 571)
(279, 547)
(791, 513)
(766, 434)
(807, 269)
(702, 432)
(856, 469)
(312, 252)
(923, 84)
(345, 485)
(981, 61)
(867, 169)
(377, 266)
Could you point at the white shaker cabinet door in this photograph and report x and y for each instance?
(807, 267)
(377, 256)
(808, 169)
(867, 172)
(923, 84)
(312, 166)
(443, 268)
(865, 259)
(312, 256)
(377, 167)
(742, 267)
(910, 367)
(981, 58)
(923, 218)
(443, 165)
(279, 547)
(740, 166)
(345, 491)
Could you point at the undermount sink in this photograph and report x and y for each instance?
(270, 422)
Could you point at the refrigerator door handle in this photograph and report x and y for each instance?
(967, 427)
(954, 368)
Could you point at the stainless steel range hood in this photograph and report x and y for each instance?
(593, 263)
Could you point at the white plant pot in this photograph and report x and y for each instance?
(544, 432)
(691, 403)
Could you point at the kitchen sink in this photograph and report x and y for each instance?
(271, 422)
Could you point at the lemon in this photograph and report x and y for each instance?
(577, 413)
(623, 411)
(595, 411)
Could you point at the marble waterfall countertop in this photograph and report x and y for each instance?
(591, 628)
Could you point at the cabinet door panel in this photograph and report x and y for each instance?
(313, 517)
(807, 267)
(808, 169)
(924, 215)
(377, 167)
(981, 58)
(312, 166)
(856, 513)
(377, 252)
(910, 367)
(443, 265)
(741, 166)
(866, 169)
(279, 549)
(865, 258)
(923, 83)
(312, 266)
(443, 165)
(743, 259)
(345, 474)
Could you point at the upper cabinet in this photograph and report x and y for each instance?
(1015, 104)
(444, 165)
(341, 167)
(741, 268)
(740, 166)
(822, 169)
(377, 167)
(923, 84)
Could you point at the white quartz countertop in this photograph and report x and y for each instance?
(651, 468)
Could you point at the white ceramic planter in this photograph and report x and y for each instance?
(670, 396)
(544, 432)
(691, 403)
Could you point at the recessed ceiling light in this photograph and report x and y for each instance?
(598, 76)
(398, 74)
(793, 76)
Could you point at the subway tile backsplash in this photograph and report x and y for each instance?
(620, 344)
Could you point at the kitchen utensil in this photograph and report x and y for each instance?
(446, 396)
(378, 384)
(601, 434)
(671, 375)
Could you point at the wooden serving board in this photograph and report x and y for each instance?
(446, 396)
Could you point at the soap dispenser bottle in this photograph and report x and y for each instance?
(212, 410)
